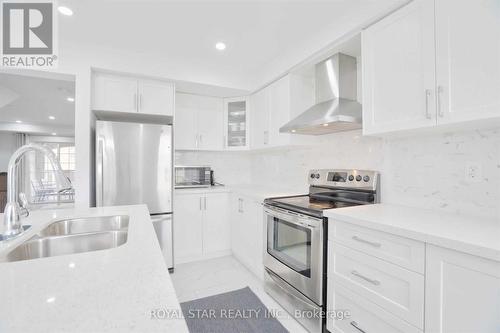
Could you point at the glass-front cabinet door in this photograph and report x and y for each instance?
(236, 123)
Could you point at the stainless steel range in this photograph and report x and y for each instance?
(295, 260)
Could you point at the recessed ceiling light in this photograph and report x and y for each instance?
(18, 121)
(52, 117)
(325, 125)
(293, 131)
(50, 300)
(65, 10)
(70, 99)
(54, 133)
(220, 46)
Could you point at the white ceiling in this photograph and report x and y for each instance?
(32, 100)
(261, 36)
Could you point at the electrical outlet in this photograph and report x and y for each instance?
(473, 172)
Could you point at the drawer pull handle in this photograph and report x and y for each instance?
(372, 281)
(355, 325)
(356, 238)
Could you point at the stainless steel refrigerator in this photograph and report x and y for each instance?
(134, 166)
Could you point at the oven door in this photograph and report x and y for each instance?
(295, 250)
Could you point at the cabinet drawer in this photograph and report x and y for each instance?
(398, 250)
(364, 316)
(397, 290)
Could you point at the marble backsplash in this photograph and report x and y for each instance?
(425, 170)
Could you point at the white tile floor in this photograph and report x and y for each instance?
(211, 277)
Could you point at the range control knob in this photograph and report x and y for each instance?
(358, 178)
(351, 178)
(366, 179)
(312, 175)
(317, 176)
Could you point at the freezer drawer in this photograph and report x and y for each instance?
(163, 228)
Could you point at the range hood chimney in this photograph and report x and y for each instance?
(336, 108)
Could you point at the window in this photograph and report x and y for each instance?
(41, 178)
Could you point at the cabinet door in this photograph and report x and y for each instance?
(185, 122)
(279, 111)
(254, 215)
(236, 123)
(244, 237)
(239, 243)
(114, 93)
(398, 70)
(462, 292)
(259, 124)
(211, 123)
(187, 227)
(468, 59)
(156, 97)
(216, 227)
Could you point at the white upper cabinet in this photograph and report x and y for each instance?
(468, 59)
(236, 120)
(186, 122)
(274, 105)
(279, 111)
(211, 124)
(156, 97)
(259, 124)
(425, 66)
(398, 70)
(114, 93)
(462, 292)
(128, 94)
(198, 122)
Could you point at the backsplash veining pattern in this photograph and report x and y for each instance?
(426, 170)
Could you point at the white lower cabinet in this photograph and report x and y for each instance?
(363, 316)
(215, 227)
(201, 226)
(377, 277)
(391, 287)
(247, 233)
(462, 292)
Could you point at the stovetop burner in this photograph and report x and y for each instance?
(307, 204)
(331, 189)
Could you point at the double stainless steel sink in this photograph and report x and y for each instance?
(74, 236)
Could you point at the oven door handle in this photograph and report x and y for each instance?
(289, 292)
(306, 222)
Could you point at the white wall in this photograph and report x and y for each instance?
(425, 170)
(7, 147)
(229, 167)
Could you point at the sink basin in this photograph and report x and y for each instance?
(67, 244)
(86, 225)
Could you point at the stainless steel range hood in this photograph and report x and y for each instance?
(336, 108)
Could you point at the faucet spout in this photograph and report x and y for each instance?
(12, 221)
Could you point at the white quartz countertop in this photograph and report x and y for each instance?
(201, 190)
(111, 290)
(261, 192)
(469, 234)
(257, 192)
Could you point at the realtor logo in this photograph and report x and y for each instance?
(28, 30)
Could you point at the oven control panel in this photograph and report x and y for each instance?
(365, 179)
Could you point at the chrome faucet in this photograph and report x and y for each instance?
(13, 211)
